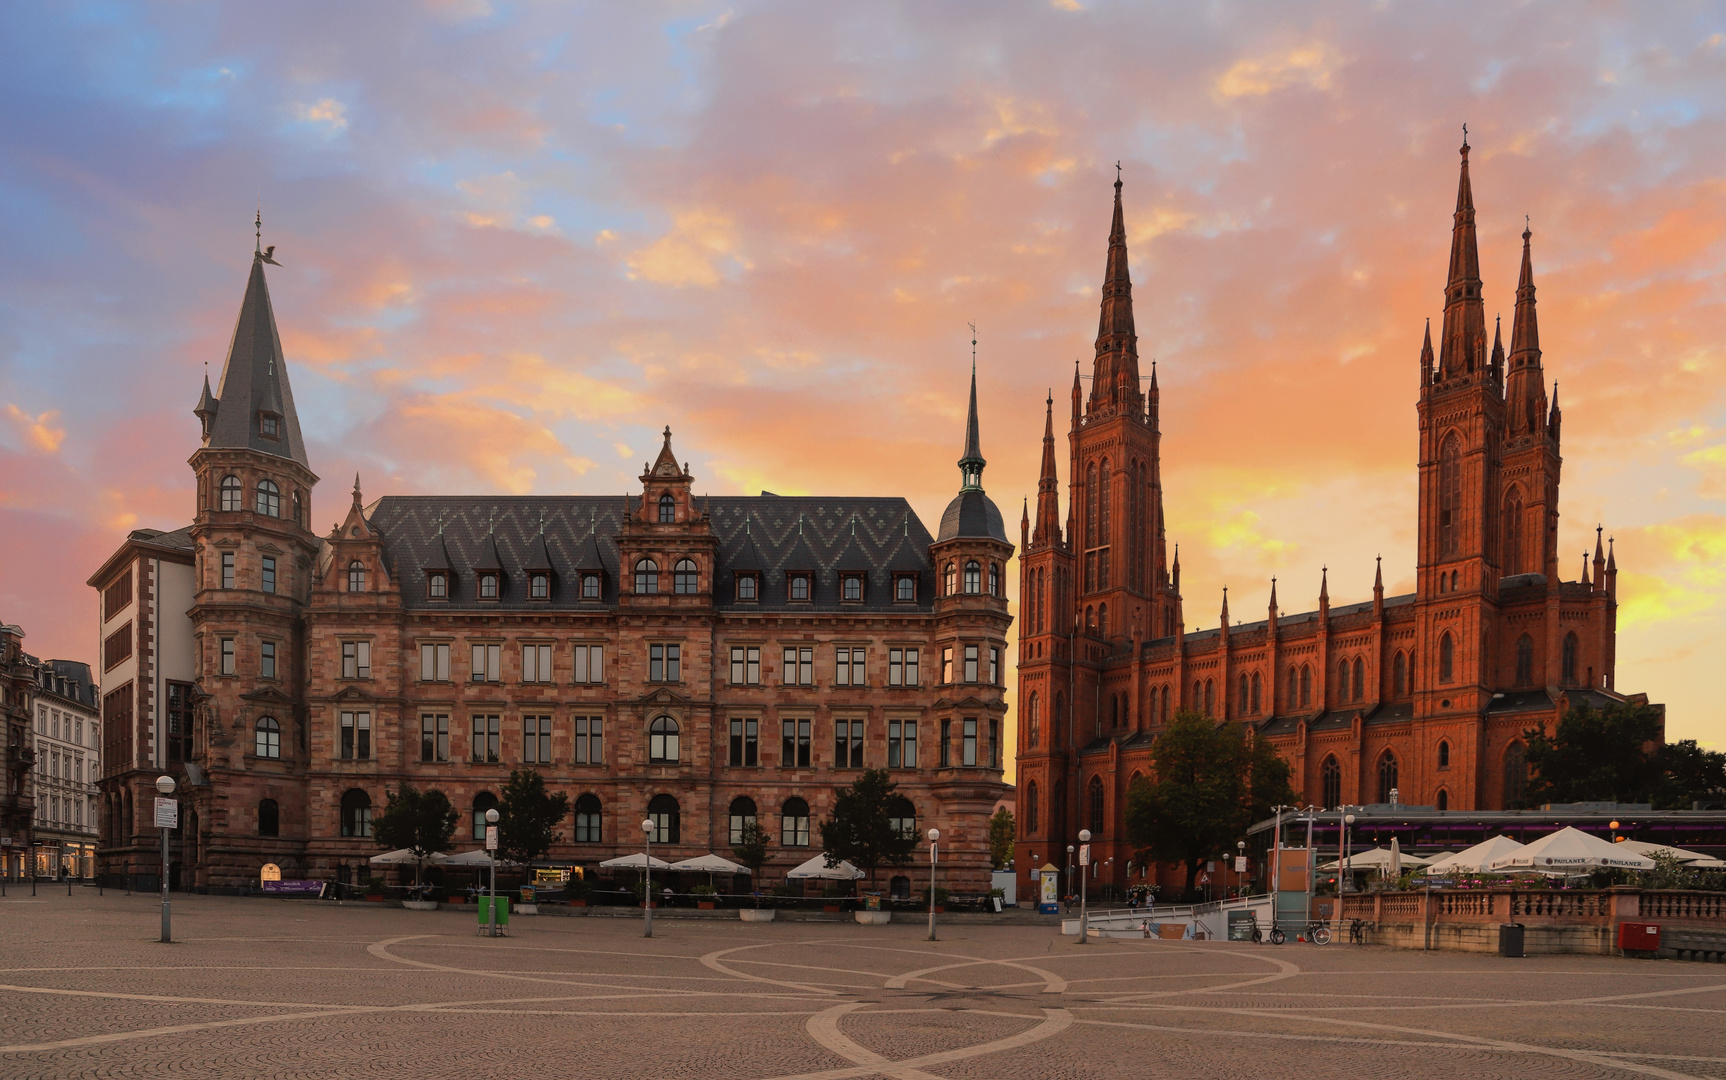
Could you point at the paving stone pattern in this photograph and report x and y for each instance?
(272, 988)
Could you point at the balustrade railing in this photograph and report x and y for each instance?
(1686, 906)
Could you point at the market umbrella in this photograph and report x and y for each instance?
(1642, 847)
(1471, 860)
(477, 857)
(710, 865)
(1570, 851)
(637, 861)
(1395, 857)
(1376, 859)
(818, 869)
(406, 857)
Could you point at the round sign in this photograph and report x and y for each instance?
(270, 872)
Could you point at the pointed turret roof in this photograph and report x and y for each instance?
(972, 513)
(1115, 371)
(1048, 529)
(972, 463)
(1525, 329)
(254, 383)
(1462, 347)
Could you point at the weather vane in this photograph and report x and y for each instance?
(266, 254)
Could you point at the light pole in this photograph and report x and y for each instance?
(1343, 879)
(647, 887)
(1240, 867)
(934, 843)
(490, 825)
(1069, 891)
(1084, 913)
(165, 785)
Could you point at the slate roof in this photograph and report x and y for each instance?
(767, 534)
(254, 380)
(179, 538)
(972, 514)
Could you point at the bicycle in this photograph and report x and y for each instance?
(1357, 929)
(1318, 933)
(1258, 935)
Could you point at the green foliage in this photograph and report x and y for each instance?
(527, 817)
(751, 847)
(1211, 783)
(1688, 773)
(860, 831)
(1002, 832)
(421, 821)
(372, 886)
(703, 890)
(1604, 755)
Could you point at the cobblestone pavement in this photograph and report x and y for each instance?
(272, 988)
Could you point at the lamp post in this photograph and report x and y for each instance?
(647, 887)
(1069, 891)
(1240, 867)
(1084, 913)
(934, 843)
(490, 827)
(1344, 879)
(165, 785)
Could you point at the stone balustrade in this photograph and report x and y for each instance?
(1555, 920)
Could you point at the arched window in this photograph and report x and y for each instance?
(1330, 779)
(667, 509)
(1114, 711)
(1103, 500)
(356, 576)
(646, 576)
(1399, 674)
(1443, 800)
(1359, 685)
(742, 813)
(482, 802)
(1515, 774)
(1306, 686)
(794, 823)
(949, 580)
(587, 815)
(1386, 776)
(1525, 661)
(356, 813)
(269, 818)
(994, 579)
(1342, 681)
(1258, 689)
(1443, 754)
(1151, 714)
(902, 817)
(230, 493)
(1569, 656)
(1513, 532)
(663, 811)
(1097, 808)
(662, 741)
(1244, 698)
(1057, 716)
(269, 501)
(1032, 822)
(1091, 514)
(1210, 698)
(299, 509)
(1450, 497)
(1294, 689)
(684, 577)
(1103, 619)
(1033, 721)
(1446, 657)
(973, 577)
(1197, 702)
(269, 738)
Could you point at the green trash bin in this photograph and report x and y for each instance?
(502, 911)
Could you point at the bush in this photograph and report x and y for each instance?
(703, 890)
(371, 885)
(941, 895)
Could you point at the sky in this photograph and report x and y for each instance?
(518, 239)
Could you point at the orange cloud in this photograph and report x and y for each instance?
(699, 250)
(41, 431)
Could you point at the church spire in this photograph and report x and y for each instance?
(253, 407)
(1526, 381)
(1462, 346)
(1115, 371)
(971, 465)
(1048, 529)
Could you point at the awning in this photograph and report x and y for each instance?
(477, 857)
(1642, 847)
(1373, 859)
(1472, 860)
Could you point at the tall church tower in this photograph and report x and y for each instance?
(255, 560)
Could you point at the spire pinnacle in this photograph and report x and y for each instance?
(1115, 370)
(1324, 586)
(1048, 484)
(971, 465)
(1462, 347)
(1525, 384)
(356, 489)
(260, 412)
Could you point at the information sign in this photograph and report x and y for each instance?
(270, 872)
(167, 813)
(1240, 864)
(491, 837)
(1084, 854)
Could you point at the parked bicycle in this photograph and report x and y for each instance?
(1357, 929)
(1318, 933)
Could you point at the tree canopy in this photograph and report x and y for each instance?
(528, 816)
(861, 830)
(1616, 754)
(1002, 832)
(1210, 783)
(751, 846)
(422, 821)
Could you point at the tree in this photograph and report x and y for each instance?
(1689, 773)
(527, 817)
(1001, 834)
(861, 830)
(1211, 782)
(420, 821)
(1596, 755)
(751, 848)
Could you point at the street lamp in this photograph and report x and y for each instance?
(934, 838)
(1240, 866)
(647, 886)
(1069, 891)
(1084, 913)
(165, 785)
(1345, 879)
(490, 826)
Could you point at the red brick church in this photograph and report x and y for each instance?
(1419, 699)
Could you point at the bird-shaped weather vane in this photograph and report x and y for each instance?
(266, 254)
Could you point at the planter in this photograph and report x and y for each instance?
(706, 905)
(578, 903)
(873, 918)
(829, 907)
(374, 899)
(750, 914)
(420, 905)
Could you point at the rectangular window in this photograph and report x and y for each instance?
(848, 744)
(799, 665)
(994, 665)
(487, 734)
(902, 667)
(946, 664)
(536, 663)
(970, 663)
(269, 578)
(356, 659)
(539, 586)
(968, 742)
(901, 744)
(357, 735)
(226, 663)
(589, 663)
(267, 659)
(945, 752)
(664, 663)
(589, 740)
(179, 722)
(434, 662)
(794, 744)
(748, 588)
(434, 736)
(227, 569)
(745, 741)
(117, 647)
(117, 596)
(994, 742)
(745, 665)
(536, 739)
(487, 663)
(851, 666)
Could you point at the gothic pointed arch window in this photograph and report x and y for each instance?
(1443, 754)
(1293, 689)
(1114, 712)
(1258, 689)
(1569, 658)
(1306, 686)
(1245, 691)
(230, 493)
(1033, 721)
(1446, 658)
(1098, 808)
(1210, 698)
(1525, 661)
(1450, 496)
(1515, 774)
(1342, 680)
(1359, 683)
(1103, 619)
(667, 509)
(1198, 698)
(1330, 780)
(1152, 708)
(269, 501)
(1399, 674)
(1513, 562)
(1031, 809)
(1056, 716)
(1443, 800)
(973, 577)
(1167, 708)
(1386, 776)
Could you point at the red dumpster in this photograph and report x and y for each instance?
(1639, 936)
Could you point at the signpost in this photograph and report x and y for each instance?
(491, 848)
(167, 817)
(1049, 890)
(1084, 873)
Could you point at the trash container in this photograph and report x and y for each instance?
(502, 911)
(1510, 939)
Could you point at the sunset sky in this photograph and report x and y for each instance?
(517, 239)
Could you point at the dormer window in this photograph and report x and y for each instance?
(539, 586)
(667, 509)
(437, 586)
(590, 586)
(748, 588)
(905, 588)
(269, 425)
(799, 587)
(488, 585)
(851, 587)
(356, 576)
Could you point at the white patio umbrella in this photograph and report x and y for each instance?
(477, 857)
(1473, 859)
(1570, 851)
(406, 857)
(710, 864)
(1374, 859)
(637, 861)
(818, 869)
(1642, 847)
(1396, 858)
(1706, 864)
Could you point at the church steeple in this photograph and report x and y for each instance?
(1462, 346)
(1048, 530)
(1526, 382)
(971, 465)
(1115, 371)
(253, 408)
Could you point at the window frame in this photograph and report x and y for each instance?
(485, 738)
(434, 737)
(796, 742)
(267, 499)
(799, 581)
(665, 662)
(356, 659)
(685, 577)
(664, 737)
(744, 742)
(589, 745)
(267, 740)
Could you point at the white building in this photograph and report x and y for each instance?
(66, 739)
